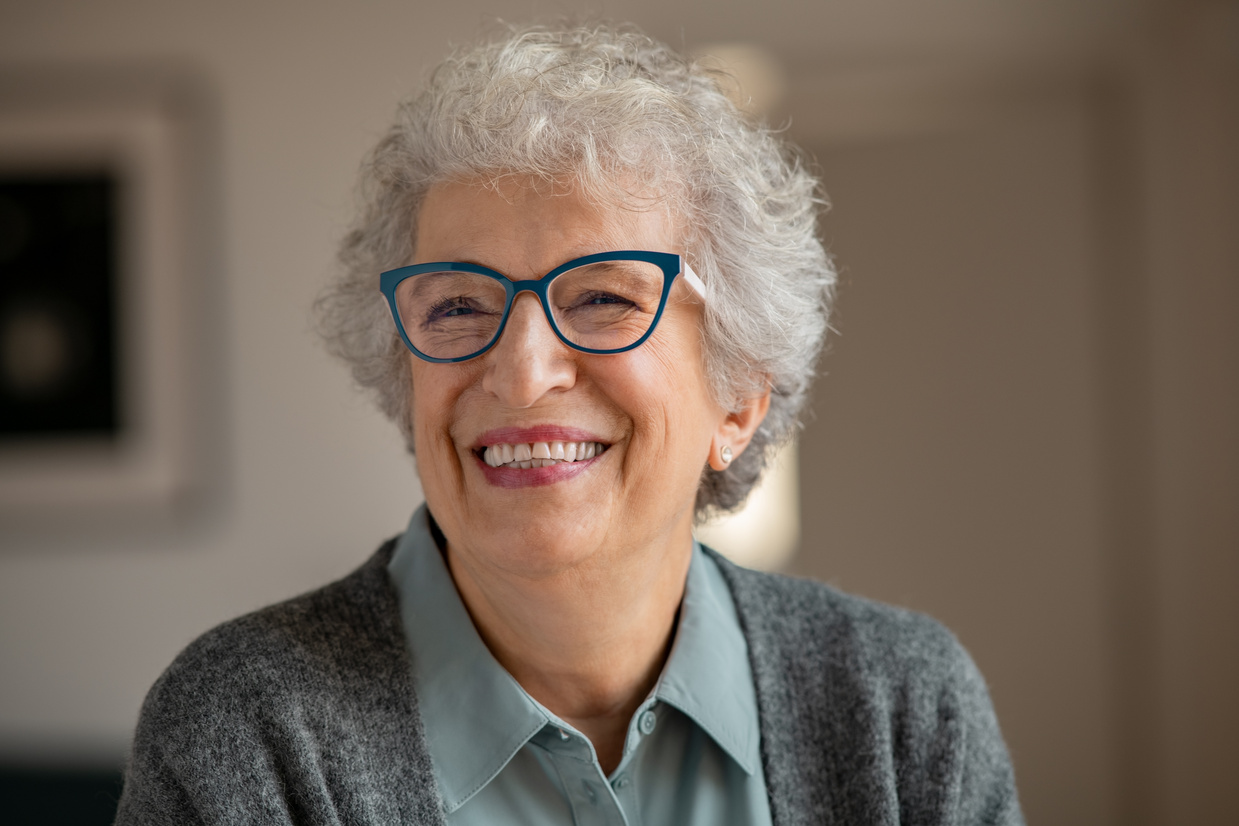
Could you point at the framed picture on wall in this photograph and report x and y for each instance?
(102, 257)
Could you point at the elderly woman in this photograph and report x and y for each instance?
(600, 302)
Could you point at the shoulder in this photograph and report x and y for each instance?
(816, 650)
(297, 706)
(287, 647)
(870, 709)
(818, 621)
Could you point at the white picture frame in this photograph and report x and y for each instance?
(145, 128)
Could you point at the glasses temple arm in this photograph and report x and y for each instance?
(693, 281)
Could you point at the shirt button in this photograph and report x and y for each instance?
(647, 721)
(563, 735)
(621, 781)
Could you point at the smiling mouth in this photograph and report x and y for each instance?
(539, 454)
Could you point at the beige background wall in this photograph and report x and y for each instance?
(1027, 426)
(951, 465)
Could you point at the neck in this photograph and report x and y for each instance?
(588, 643)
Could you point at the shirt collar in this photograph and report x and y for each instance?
(468, 747)
(707, 676)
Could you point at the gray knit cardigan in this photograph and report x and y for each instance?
(305, 713)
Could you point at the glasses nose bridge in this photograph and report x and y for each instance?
(537, 286)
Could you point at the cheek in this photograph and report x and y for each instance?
(669, 393)
(681, 364)
(432, 404)
(419, 406)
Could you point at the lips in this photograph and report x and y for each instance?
(527, 455)
(517, 457)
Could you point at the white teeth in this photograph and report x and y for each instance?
(540, 454)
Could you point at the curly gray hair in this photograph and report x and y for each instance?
(600, 108)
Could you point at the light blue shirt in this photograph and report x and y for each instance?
(691, 756)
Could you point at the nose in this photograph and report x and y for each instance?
(528, 361)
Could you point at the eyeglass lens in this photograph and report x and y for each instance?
(607, 305)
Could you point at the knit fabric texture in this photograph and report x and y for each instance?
(305, 713)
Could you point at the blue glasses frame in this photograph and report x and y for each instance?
(670, 263)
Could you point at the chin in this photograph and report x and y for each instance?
(536, 553)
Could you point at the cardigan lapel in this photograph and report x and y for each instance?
(825, 746)
(378, 669)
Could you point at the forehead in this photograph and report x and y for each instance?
(521, 228)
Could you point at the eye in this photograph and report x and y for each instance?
(606, 298)
(445, 308)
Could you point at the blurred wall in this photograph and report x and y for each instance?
(953, 463)
(1026, 426)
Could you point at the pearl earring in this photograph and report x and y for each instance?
(725, 454)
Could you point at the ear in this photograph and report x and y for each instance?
(736, 430)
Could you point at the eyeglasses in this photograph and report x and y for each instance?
(608, 302)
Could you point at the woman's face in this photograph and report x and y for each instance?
(649, 409)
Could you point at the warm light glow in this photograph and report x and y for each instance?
(765, 532)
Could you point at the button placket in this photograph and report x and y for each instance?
(589, 794)
(594, 802)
